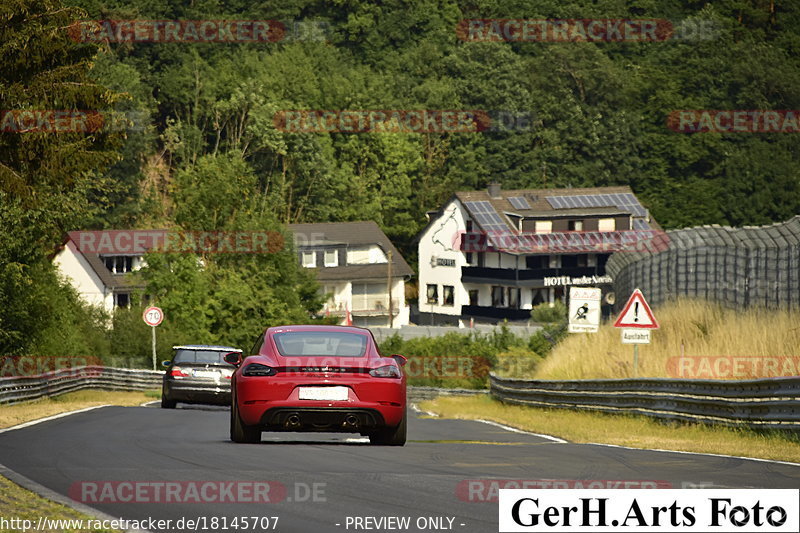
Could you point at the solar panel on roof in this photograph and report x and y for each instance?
(519, 202)
(640, 224)
(624, 201)
(488, 219)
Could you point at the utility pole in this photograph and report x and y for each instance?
(389, 289)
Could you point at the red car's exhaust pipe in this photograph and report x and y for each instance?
(351, 420)
(293, 421)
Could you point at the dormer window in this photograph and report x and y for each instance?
(118, 264)
(331, 258)
(309, 259)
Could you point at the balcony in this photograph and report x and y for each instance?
(494, 313)
(362, 306)
(523, 277)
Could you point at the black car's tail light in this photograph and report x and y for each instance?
(178, 372)
(257, 369)
(388, 371)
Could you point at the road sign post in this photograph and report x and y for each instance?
(637, 318)
(153, 316)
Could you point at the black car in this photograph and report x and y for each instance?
(197, 374)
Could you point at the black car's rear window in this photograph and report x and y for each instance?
(338, 344)
(199, 356)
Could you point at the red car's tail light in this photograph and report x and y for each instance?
(256, 369)
(178, 372)
(388, 371)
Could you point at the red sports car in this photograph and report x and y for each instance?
(318, 378)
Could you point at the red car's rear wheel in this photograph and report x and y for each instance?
(240, 432)
(393, 436)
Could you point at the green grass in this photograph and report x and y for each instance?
(633, 431)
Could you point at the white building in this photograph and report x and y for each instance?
(100, 278)
(477, 260)
(352, 265)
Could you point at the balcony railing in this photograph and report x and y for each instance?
(369, 305)
(510, 274)
(499, 313)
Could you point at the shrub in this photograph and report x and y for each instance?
(548, 313)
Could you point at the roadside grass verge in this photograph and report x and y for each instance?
(688, 327)
(633, 431)
(17, 502)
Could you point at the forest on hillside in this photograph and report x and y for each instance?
(201, 150)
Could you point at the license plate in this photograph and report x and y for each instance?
(323, 393)
(206, 374)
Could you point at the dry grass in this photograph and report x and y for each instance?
(11, 415)
(691, 328)
(633, 431)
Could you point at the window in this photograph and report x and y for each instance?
(448, 295)
(543, 226)
(576, 225)
(498, 296)
(183, 355)
(122, 299)
(366, 255)
(311, 343)
(257, 345)
(470, 257)
(331, 258)
(606, 224)
(119, 264)
(538, 296)
(582, 259)
(433, 294)
(536, 261)
(473, 297)
(513, 298)
(309, 259)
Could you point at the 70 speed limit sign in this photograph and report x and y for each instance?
(153, 316)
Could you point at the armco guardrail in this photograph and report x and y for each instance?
(763, 403)
(23, 388)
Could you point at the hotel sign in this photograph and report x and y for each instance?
(441, 261)
(565, 281)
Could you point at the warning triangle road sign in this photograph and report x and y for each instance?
(636, 313)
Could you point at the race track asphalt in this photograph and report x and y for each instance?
(325, 481)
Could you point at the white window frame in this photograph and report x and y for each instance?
(543, 226)
(606, 224)
(309, 264)
(334, 262)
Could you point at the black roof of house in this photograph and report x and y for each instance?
(351, 234)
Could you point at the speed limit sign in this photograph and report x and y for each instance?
(153, 316)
